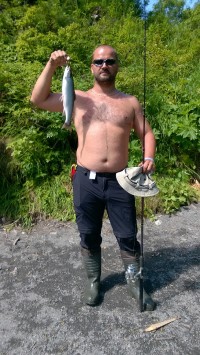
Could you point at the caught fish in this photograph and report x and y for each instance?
(68, 96)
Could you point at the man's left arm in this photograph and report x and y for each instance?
(149, 138)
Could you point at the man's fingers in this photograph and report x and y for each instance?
(148, 166)
(58, 58)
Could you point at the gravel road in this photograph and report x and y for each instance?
(42, 281)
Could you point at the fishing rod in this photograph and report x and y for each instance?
(141, 303)
(136, 182)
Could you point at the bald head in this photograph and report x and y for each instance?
(100, 50)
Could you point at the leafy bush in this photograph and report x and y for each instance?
(36, 154)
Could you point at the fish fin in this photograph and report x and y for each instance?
(66, 126)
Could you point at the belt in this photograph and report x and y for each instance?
(107, 175)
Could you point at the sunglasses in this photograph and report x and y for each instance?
(100, 62)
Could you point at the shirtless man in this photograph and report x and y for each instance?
(103, 118)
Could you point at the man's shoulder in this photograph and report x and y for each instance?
(128, 96)
(80, 92)
(131, 99)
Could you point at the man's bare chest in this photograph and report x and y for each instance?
(117, 112)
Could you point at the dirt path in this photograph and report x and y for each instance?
(42, 280)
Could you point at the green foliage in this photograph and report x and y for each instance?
(52, 198)
(175, 193)
(35, 154)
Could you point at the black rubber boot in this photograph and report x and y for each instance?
(92, 264)
(134, 283)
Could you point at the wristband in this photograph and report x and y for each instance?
(148, 158)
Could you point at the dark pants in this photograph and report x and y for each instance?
(91, 198)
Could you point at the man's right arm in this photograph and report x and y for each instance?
(41, 94)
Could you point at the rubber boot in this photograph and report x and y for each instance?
(92, 264)
(134, 283)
